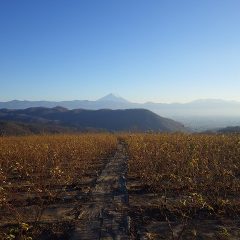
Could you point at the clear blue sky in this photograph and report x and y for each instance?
(143, 50)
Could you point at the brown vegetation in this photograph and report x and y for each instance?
(191, 177)
(36, 171)
(178, 182)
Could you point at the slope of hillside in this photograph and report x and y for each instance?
(235, 129)
(9, 128)
(198, 108)
(104, 119)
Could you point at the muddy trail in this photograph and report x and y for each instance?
(105, 216)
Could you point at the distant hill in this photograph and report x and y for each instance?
(199, 115)
(226, 130)
(204, 107)
(80, 120)
(235, 129)
(109, 101)
(19, 128)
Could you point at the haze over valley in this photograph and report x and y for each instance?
(199, 115)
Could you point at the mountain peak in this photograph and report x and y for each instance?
(112, 98)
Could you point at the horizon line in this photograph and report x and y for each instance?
(146, 102)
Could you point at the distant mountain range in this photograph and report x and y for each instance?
(205, 107)
(199, 115)
(60, 119)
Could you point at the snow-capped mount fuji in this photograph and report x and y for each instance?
(109, 101)
(179, 111)
(112, 98)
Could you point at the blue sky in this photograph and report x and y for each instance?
(155, 50)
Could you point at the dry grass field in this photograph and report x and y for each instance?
(174, 186)
(185, 186)
(37, 172)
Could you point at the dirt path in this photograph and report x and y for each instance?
(105, 215)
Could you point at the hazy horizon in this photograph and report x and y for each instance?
(117, 95)
(155, 51)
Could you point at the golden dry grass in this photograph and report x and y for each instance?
(192, 172)
(42, 167)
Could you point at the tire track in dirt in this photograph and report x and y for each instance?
(105, 215)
